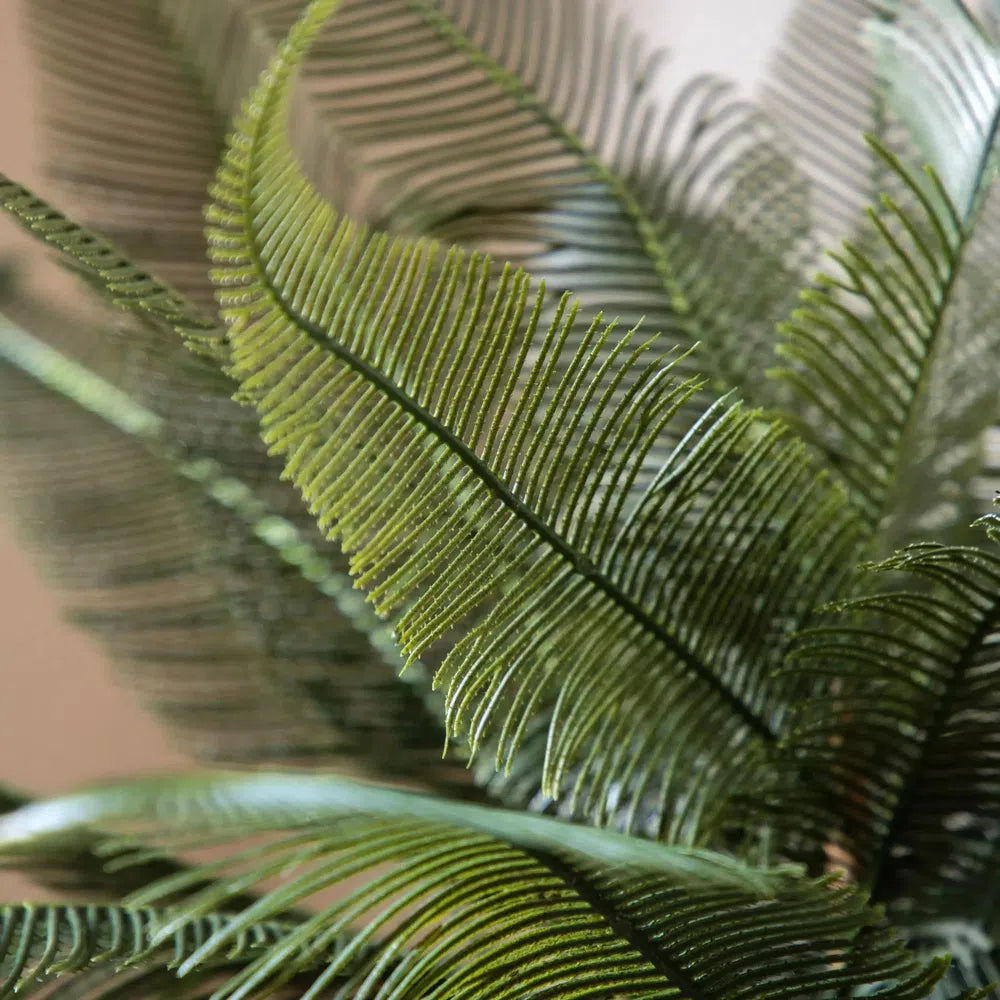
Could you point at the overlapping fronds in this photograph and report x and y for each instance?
(485, 495)
(822, 90)
(906, 745)
(454, 910)
(86, 864)
(151, 493)
(237, 805)
(893, 354)
(229, 621)
(531, 130)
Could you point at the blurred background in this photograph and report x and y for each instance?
(62, 719)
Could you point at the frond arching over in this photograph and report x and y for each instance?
(451, 911)
(484, 493)
(906, 744)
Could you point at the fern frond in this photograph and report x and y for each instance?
(531, 131)
(88, 864)
(906, 746)
(237, 805)
(892, 356)
(171, 561)
(480, 492)
(114, 275)
(254, 556)
(462, 902)
(822, 90)
(128, 139)
(39, 944)
(889, 358)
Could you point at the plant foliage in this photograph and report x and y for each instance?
(496, 414)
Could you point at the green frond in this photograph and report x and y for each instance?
(485, 496)
(906, 743)
(466, 902)
(233, 623)
(88, 863)
(114, 275)
(822, 92)
(892, 362)
(532, 131)
(942, 80)
(196, 808)
(892, 355)
(128, 139)
(39, 944)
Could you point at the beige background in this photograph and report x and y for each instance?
(62, 720)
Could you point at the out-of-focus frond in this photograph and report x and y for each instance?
(822, 89)
(163, 515)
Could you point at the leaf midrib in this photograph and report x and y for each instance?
(580, 563)
(577, 560)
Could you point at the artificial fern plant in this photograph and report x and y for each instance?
(694, 607)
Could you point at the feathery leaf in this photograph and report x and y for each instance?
(480, 491)
(39, 944)
(527, 906)
(892, 357)
(821, 89)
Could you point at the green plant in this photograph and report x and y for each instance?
(716, 680)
